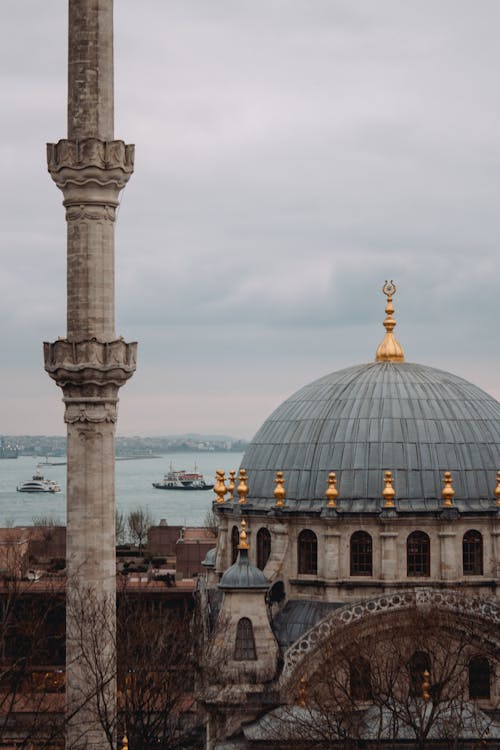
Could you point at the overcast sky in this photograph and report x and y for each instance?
(290, 156)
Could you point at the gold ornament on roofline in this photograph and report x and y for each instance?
(448, 492)
(497, 489)
(388, 493)
(389, 350)
(279, 490)
(302, 696)
(426, 685)
(125, 742)
(231, 485)
(332, 492)
(243, 536)
(242, 488)
(219, 486)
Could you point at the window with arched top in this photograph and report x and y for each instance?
(418, 554)
(361, 554)
(235, 540)
(244, 647)
(472, 553)
(479, 677)
(360, 680)
(263, 547)
(307, 552)
(420, 663)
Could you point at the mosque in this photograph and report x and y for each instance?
(352, 596)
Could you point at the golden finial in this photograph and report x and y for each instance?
(231, 485)
(388, 493)
(243, 536)
(242, 488)
(426, 685)
(125, 742)
(279, 490)
(497, 489)
(302, 696)
(448, 492)
(389, 350)
(219, 486)
(332, 492)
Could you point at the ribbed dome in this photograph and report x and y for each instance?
(413, 420)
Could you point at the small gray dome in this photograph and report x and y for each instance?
(209, 561)
(413, 420)
(243, 575)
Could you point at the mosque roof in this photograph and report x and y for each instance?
(388, 415)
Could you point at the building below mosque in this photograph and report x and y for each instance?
(353, 593)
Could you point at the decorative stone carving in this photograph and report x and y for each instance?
(90, 372)
(487, 610)
(91, 162)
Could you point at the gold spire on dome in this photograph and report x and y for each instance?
(243, 536)
(389, 350)
(388, 493)
(219, 486)
(332, 492)
(448, 492)
(279, 491)
(497, 489)
(242, 488)
(125, 742)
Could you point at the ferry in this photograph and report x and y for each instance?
(38, 484)
(183, 480)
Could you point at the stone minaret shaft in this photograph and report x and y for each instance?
(90, 365)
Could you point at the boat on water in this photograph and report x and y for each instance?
(38, 484)
(183, 480)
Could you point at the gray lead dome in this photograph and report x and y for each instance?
(413, 420)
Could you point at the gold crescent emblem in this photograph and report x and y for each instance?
(389, 288)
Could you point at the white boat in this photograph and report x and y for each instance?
(38, 484)
(183, 480)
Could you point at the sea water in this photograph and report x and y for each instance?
(133, 483)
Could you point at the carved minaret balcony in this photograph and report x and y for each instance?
(90, 365)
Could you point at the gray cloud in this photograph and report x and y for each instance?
(290, 156)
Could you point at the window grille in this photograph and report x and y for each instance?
(472, 553)
(308, 552)
(263, 547)
(361, 554)
(244, 647)
(418, 554)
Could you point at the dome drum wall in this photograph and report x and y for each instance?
(415, 421)
(451, 561)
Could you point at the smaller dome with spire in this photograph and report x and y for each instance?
(209, 561)
(243, 574)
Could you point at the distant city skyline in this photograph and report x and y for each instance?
(290, 156)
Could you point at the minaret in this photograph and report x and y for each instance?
(90, 363)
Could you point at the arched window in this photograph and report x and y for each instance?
(472, 553)
(418, 554)
(420, 663)
(479, 677)
(361, 554)
(235, 540)
(244, 647)
(263, 547)
(308, 552)
(360, 680)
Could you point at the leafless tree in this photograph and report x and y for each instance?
(394, 677)
(139, 520)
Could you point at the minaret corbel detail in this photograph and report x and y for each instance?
(91, 362)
